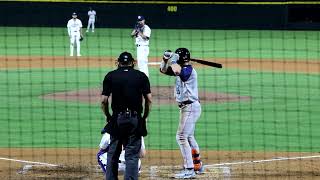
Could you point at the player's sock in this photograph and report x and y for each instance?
(196, 160)
(71, 50)
(78, 49)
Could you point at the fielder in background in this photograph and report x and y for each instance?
(142, 33)
(75, 33)
(186, 94)
(92, 19)
(103, 155)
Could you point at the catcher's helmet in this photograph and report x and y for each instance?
(125, 58)
(184, 55)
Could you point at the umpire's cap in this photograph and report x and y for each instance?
(184, 55)
(125, 58)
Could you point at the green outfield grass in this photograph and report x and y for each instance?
(282, 115)
(294, 45)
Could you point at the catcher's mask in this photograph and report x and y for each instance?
(125, 58)
(184, 55)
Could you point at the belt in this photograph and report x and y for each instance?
(75, 31)
(181, 104)
(138, 45)
(128, 113)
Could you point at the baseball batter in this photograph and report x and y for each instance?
(102, 154)
(142, 33)
(75, 33)
(92, 18)
(186, 95)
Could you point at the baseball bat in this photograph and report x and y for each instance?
(208, 63)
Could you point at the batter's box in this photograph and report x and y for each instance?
(168, 172)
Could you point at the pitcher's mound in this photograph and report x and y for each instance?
(160, 95)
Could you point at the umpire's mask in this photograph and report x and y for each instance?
(125, 59)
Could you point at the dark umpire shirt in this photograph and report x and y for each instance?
(127, 87)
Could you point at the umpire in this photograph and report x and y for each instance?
(126, 125)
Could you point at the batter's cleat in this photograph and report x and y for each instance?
(92, 30)
(79, 55)
(87, 30)
(185, 174)
(201, 170)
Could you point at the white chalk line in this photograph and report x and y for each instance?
(154, 63)
(29, 162)
(262, 161)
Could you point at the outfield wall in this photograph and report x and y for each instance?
(195, 16)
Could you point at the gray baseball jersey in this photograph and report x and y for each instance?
(186, 88)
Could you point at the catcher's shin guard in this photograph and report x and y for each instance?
(196, 160)
(102, 160)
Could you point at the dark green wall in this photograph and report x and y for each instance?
(219, 16)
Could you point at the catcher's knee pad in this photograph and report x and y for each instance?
(102, 160)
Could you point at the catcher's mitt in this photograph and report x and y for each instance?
(81, 38)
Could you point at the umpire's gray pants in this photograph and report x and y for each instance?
(189, 114)
(132, 146)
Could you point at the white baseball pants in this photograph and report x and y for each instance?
(91, 23)
(142, 58)
(189, 114)
(75, 41)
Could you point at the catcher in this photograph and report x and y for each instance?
(102, 154)
(186, 94)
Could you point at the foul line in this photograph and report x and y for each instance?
(154, 63)
(30, 162)
(262, 161)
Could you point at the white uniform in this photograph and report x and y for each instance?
(74, 26)
(102, 155)
(92, 18)
(143, 50)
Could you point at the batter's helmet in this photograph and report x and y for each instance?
(125, 58)
(184, 55)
